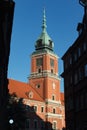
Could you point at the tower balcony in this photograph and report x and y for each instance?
(43, 74)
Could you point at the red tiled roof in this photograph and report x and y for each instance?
(22, 90)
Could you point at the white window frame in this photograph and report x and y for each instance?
(36, 110)
(54, 128)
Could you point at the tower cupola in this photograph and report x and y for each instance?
(44, 41)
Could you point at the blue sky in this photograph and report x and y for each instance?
(62, 18)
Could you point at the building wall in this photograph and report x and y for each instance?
(75, 82)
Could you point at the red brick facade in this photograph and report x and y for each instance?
(42, 92)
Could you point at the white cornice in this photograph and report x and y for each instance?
(44, 74)
(54, 115)
(33, 101)
(48, 101)
(44, 53)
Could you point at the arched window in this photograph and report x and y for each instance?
(54, 110)
(53, 97)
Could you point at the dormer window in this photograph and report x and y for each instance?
(39, 42)
(38, 86)
(50, 43)
(30, 94)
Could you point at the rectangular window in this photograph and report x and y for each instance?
(80, 73)
(42, 109)
(35, 108)
(51, 62)
(52, 71)
(42, 124)
(85, 99)
(71, 79)
(35, 124)
(75, 56)
(77, 103)
(79, 52)
(86, 70)
(81, 101)
(27, 124)
(39, 61)
(84, 46)
(70, 60)
(54, 125)
(76, 78)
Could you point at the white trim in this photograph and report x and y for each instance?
(28, 101)
(54, 115)
(53, 102)
(36, 107)
(45, 53)
(56, 124)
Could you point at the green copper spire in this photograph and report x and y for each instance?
(44, 26)
(44, 41)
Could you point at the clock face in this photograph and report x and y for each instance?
(54, 85)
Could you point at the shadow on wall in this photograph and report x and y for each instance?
(24, 117)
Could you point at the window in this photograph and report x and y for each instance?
(50, 43)
(51, 62)
(54, 110)
(70, 60)
(84, 46)
(80, 73)
(27, 107)
(42, 124)
(31, 94)
(76, 78)
(71, 79)
(53, 97)
(77, 103)
(39, 61)
(54, 125)
(38, 86)
(42, 109)
(51, 70)
(39, 70)
(39, 43)
(35, 108)
(79, 52)
(85, 99)
(81, 101)
(27, 123)
(86, 70)
(35, 124)
(75, 56)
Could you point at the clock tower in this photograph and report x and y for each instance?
(44, 67)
